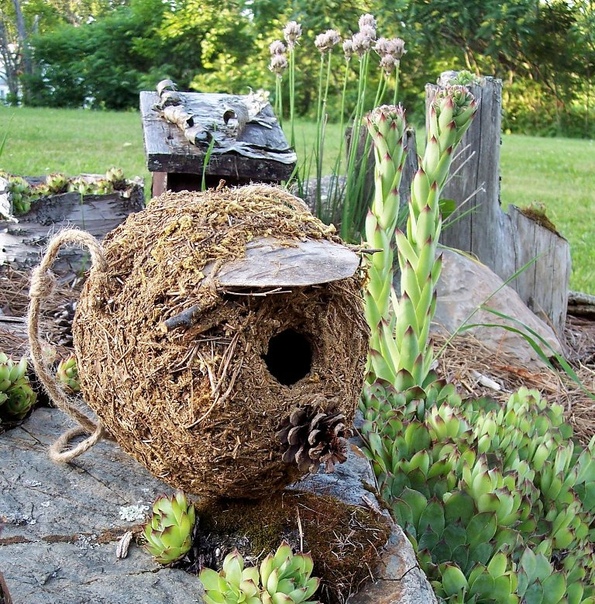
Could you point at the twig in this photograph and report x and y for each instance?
(185, 319)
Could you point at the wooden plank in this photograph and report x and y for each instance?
(543, 286)
(271, 262)
(168, 150)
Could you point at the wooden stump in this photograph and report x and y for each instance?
(505, 242)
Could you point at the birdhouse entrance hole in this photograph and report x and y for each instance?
(289, 357)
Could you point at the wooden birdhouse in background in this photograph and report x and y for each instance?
(194, 140)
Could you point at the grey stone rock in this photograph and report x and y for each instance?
(464, 285)
(399, 579)
(63, 521)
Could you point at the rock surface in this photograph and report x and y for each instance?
(63, 522)
(465, 285)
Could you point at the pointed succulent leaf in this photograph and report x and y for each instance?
(497, 565)
(272, 581)
(453, 580)
(459, 506)
(433, 517)
(482, 586)
(482, 528)
(554, 588)
(534, 593)
(215, 597)
(481, 553)
(209, 579)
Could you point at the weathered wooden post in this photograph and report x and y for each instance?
(504, 241)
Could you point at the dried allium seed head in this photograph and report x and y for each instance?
(326, 41)
(277, 48)
(382, 46)
(369, 32)
(278, 64)
(292, 33)
(348, 49)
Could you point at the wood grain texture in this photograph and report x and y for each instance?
(270, 262)
(168, 150)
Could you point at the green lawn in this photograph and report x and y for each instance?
(560, 173)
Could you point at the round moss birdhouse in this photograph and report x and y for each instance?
(223, 343)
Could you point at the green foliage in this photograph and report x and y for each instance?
(547, 48)
(96, 64)
(282, 578)
(499, 502)
(169, 531)
(537, 46)
(16, 395)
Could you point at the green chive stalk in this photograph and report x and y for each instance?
(325, 43)
(292, 32)
(386, 125)
(279, 99)
(355, 176)
(334, 191)
(450, 115)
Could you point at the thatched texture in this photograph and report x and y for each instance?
(200, 405)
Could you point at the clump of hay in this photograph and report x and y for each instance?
(201, 405)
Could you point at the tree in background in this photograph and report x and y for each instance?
(102, 52)
(541, 49)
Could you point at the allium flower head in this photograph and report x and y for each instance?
(398, 47)
(367, 20)
(326, 41)
(369, 32)
(292, 33)
(388, 64)
(277, 48)
(348, 48)
(278, 64)
(361, 43)
(382, 46)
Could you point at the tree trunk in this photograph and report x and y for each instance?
(26, 65)
(10, 63)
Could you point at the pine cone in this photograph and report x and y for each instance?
(63, 318)
(312, 437)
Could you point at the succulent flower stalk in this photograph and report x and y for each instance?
(450, 115)
(169, 531)
(386, 125)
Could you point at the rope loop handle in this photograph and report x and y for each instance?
(43, 282)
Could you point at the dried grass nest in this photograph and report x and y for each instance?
(208, 407)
